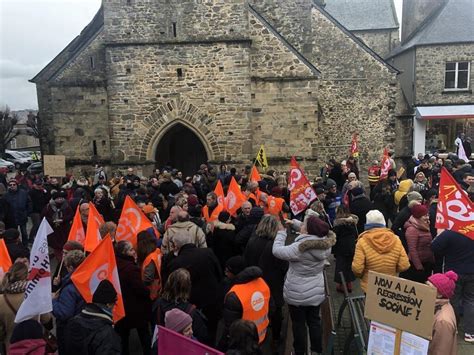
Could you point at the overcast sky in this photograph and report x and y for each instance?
(32, 33)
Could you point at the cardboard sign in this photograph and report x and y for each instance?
(402, 304)
(55, 165)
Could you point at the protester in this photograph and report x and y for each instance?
(15, 247)
(243, 236)
(21, 205)
(149, 259)
(243, 335)
(183, 226)
(359, 206)
(179, 322)
(39, 199)
(103, 204)
(222, 238)
(27, 338)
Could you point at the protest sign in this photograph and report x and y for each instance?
(170, 342)
(402, 304)
(54, 165)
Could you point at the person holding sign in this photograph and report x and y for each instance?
(444, 340)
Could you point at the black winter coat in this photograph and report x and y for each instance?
(346, 236)
(205, 271)
(242, 238)
(91, 332)
(222, 242)
(20, 203)
(359, 206)
(136, 296)
(398, 226)
(259, 253)
(6, 214)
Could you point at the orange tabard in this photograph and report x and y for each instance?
(155, 287)
(214, 214)
(274, 206)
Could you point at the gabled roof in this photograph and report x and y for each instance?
(356, 15)
(73, 48)
(355, 38)
(453, 23)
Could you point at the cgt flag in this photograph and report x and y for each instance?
(132, 221)
(386, 165)
(234, 198)
(5, 261)
(98, 266)
(77, 230)
(38, 298)
(355, 146)
(301, 192)
(455, 210)
(219, 191)
(261, 158)
(94, 221)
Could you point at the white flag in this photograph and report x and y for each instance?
(462, 153)
(38, 298)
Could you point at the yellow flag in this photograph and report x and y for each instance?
(261, 158)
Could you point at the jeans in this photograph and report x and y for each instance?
(24, 234)
(463, 301)
(35, 220)
(300, 317)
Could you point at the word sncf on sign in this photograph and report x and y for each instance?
(402, 304)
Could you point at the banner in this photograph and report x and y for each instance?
(98, 266)
(132, 221)
(455, 210)
(5, 261)
(354, 146)
(77, 229)
(255, 175)
(234, 198)
(38, 298)
(261, 158)
(219, 191)
(400, 303)
(462, 153)
(301, 192)
(94, 221)
(386, 165)
(170, 342)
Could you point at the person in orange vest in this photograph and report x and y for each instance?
(149, 259)
(276, 205)
(211, 211)
(249, 299)
(252, 193)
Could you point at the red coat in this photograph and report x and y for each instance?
(419, 239)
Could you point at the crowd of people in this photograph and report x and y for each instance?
(223, 279)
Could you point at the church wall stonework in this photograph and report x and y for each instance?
(380, 41)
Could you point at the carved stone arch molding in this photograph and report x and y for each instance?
(171, 113)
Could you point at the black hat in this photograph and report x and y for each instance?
(223, 216)
(105, 293)
(11, 234)
(58, 194)
(28, 329)
(235, 264)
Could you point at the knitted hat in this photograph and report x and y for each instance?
(315, 226)
(444, 283)
(28, 329)
(375, 217)
(193, 200)
(235, 264)
(105, 293)
(59, 194)
(414, 196)
(356, 191)
(419, 211)
(177, 320)
(330, 183)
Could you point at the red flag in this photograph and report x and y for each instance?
(386, 165)
(98, 266)
(255, 175)
(5, 261)
(219, 191)
(301, 192)
(455, 209)
(132, 221)
(234, 198)
(94, 221)
(77, 229)
(354, 146)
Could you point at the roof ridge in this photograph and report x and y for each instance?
(284, 40)
(355, 38)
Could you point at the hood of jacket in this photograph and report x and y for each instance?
(381, 239)
(224, 226)
(187, 225)
(349, 220)
(417, 223)
(248, 274)
(310, 242)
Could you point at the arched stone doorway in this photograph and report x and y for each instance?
(182, 149)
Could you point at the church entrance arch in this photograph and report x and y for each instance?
(181, 148)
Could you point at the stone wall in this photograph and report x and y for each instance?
(430, 71)
(380, 41)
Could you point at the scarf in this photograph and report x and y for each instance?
(17, 287)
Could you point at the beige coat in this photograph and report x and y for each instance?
(444, 340)
(197, 234)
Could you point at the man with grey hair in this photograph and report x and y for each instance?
(206, 275)
(183, 226)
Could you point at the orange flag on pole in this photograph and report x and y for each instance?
(77, 230)
(219, 191)
(234, 198)
(5, 261)
(98, 266)
(132, 221)
(255, 175)
(94, 221)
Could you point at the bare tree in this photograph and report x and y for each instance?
(32, 124)
(8, 132)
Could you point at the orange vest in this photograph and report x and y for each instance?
(275, 206)
(214, 214)
(255, 197)
(255, 299)
(155, 258)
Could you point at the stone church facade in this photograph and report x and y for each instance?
(150, 82)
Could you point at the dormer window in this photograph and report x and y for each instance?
(457, 76)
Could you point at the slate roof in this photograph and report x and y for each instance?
(453, 23)
(363, 14)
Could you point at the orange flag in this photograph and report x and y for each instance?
(132, 221)
(235, 198)
(255, 175)
(98, 266)
(5, 261)
(219, 190)
(77, 230)
(94, 221)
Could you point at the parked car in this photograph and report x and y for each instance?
(18, 159)
(5, 164)
(35, 168)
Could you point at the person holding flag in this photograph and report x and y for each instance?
(211, 211)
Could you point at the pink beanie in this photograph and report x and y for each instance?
(445, 283)
(177, 320)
